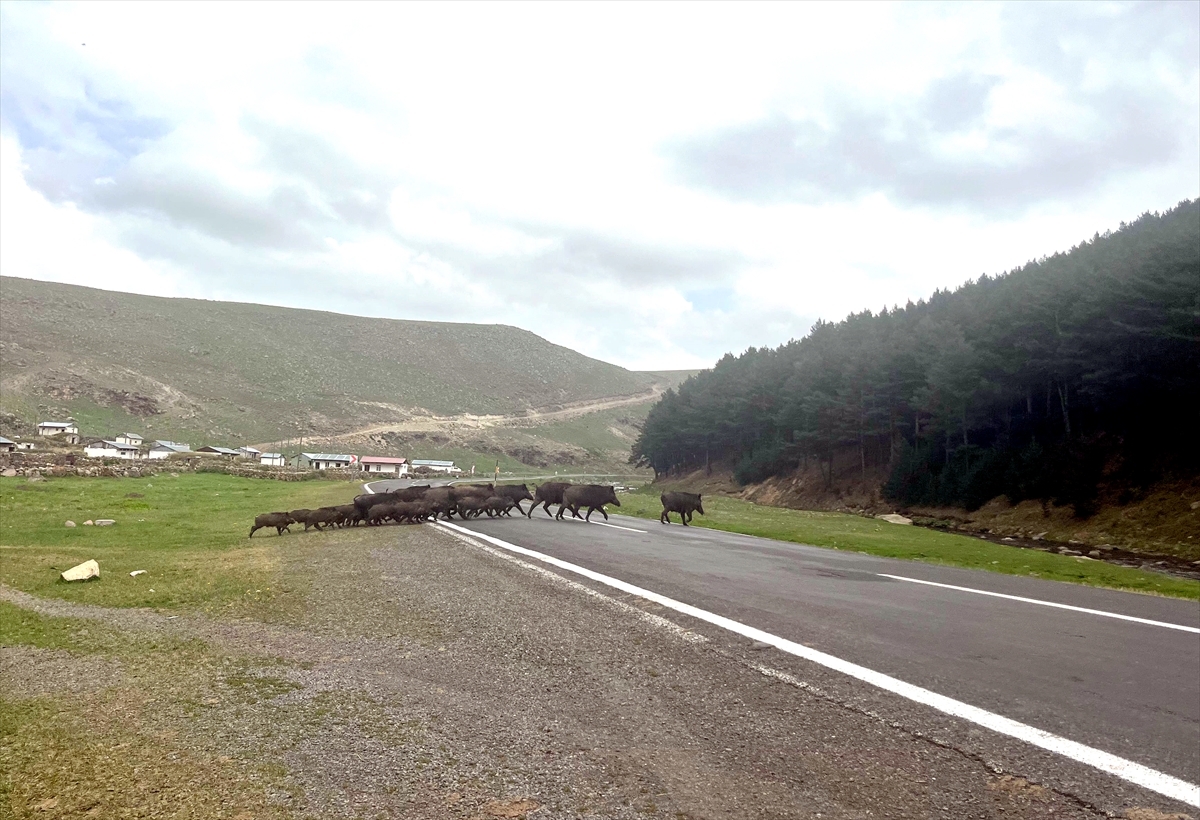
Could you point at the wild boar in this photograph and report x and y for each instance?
(683, 503)
(516, 493)
(592, 496)
(546, 494)
(278, 520)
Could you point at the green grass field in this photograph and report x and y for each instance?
(188, 533)
(857, 534)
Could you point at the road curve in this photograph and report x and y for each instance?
(1128, 687)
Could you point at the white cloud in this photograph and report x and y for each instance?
(517, 163)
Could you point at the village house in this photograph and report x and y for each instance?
(272, 459)
(434, 465)
(383, 464)
(220, 451)
(249, 452)
(25, 445)
(129, 438)
(66, 429)
(162, 449)
(7, 445)
(325, 461)
(112, 449)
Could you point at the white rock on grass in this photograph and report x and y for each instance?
(69, 523)
(137, 572)
(86, 570)
(88, 523)
(105, 522)
(894, 518)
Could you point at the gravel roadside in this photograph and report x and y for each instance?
(422, 675)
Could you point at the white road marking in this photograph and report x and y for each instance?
(1045, 603)
(649, 617)
(1127, 770)
(603, 524)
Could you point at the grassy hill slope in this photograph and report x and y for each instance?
(243, 372)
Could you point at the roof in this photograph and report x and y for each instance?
(132, 435)
(4, 440)
(424, 462)
(382, 460)
(225, 451)
(327, 457)
(116, 445)
(270, 455)
(248, 450)
(172, 446)
(57, 424)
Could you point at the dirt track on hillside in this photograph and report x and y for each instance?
(469, 421)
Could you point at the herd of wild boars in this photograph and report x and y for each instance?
(414, 505)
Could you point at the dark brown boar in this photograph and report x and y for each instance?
(592, 496)
(279, 520)
(683, 503)
(546, 494)
(516, 493)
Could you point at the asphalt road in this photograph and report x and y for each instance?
(1131, 689)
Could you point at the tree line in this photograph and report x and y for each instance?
(1043, 382)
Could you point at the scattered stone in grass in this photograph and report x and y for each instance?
(9, 473)
(105, 522)
(137, 572)
(894, 518)
(1008, 538)
(82, 572)
(88, 523)
(69, 523)
(1070, 552)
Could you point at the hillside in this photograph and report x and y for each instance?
(251, 373)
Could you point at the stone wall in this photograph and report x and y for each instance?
(40, 464)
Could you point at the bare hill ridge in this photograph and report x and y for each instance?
(257, 373)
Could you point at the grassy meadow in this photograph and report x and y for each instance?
(869, 535)
(188, 533)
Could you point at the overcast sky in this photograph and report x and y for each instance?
(650, 184)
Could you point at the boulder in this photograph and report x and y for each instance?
(105, 522)
(88, 523)
(894, 518)
(69, 524)
(9, 472)
(82, 572)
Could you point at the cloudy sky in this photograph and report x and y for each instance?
(650, 184)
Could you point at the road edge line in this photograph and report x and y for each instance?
(1054, 604)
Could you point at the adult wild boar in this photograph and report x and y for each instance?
(516, 493)
(366, 501)
(278, 520)
(683, 503)
(441, 501)
(592, 496)
(413, 493)
(546, 494)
